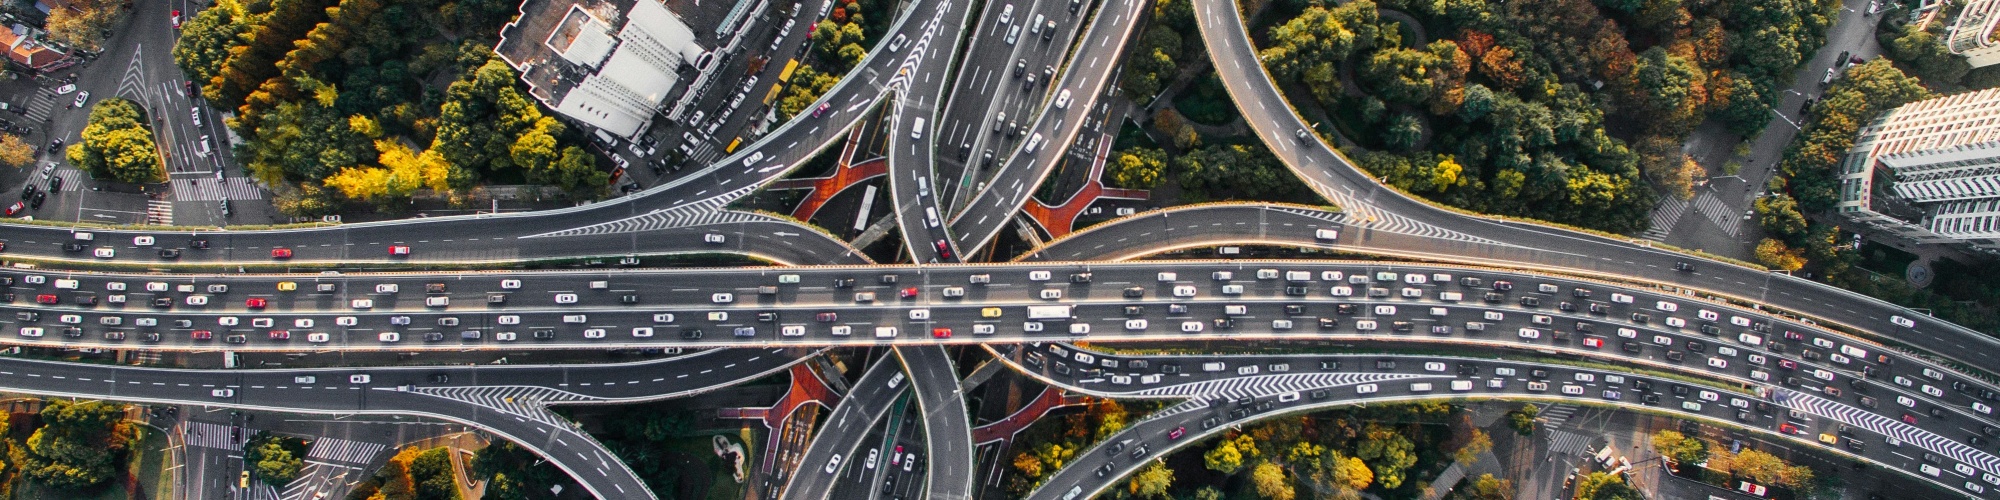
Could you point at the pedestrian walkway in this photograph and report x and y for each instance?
(208, 189)
(1554, 415)
(345, 451)
(41, 105)
(1665, 214)
(1712, 207)
(1005, 429)
(160, 212)
(207, 435)
(1573, 444)
(1060, 220)
(72, 179)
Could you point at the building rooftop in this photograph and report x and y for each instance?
(606, 63)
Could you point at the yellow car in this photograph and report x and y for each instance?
(243, 481)
(286, 286)
(990, 312)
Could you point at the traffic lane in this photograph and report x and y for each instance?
(1085, 78)
(844, 428)
(947, 428)
(990, 63)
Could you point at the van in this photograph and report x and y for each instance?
(1213, 366)
(1450, 296)
(600, 285)
(885, 332)
(931, 216)
(917, 131)
(1461, 385)
(1034, 141)
(1421, 387)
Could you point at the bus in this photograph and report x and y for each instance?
(732, 145)
(1049, 312)
(786, 75)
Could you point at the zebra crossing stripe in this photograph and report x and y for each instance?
(41, 105)
(208, 435)
(72, 179)
(700, 213)
(342, 450)
(1718, 212)
(521, 401)
(1664, 216)
(160, 212)
(1569, 442)
(208, 189)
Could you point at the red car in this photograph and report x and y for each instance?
(943, 249)
(15, 208)
(1176, 433)
(821, 109)
(942, 333)
(255, 303)
(47, 298)
(1909, 419)
(281, 335)
(827, 317)
(399, 250)
(203, 335)
(908, 293)
(1593, 342)
(1788, 428)
(281, 253)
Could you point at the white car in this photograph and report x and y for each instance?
(1573, 390)
(510, 284)
(386, 288)
(76, 319)
(565, 298)
(104, 253)
(197, 300)
(1366, 389)
(437, 301)
(1718, 363)
(1433, 366)
(1191, 326)
(505, 336)
(508, 319)
(1530, 333)
(1184, 291)
(347, 321)
(143, 241)
(593, 333)
(386, 337)
(1902, 322)
(1135, 324)
(645, 332)
(318, 337)
(302, 323)
(722, 298)
(1051, 294)
(1666, 306)
(1232, 289)
(1707, 315)
(1038, 275)
(713, 238)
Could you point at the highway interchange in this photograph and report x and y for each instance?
(1750, 355)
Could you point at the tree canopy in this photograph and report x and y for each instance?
(79, 445)
(116, 144)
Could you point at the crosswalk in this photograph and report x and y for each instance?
(208, 435)
(208, 189)
(342, 450)
(1554, 415)
(318, 481)
(72, 179)
(1665, 214)
(41, 105)
(1573, 444)
(160, 212)
(1712, 207)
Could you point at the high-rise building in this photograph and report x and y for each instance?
(1929, 171)
(604, 63)
(1972, 34)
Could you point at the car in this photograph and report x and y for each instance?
(1902, 321)
(82, 97)
(255, 303)
(722, 298)
(281, 253)
(713, 238)
(566, 298)
(399, 250)
(104, 253)
(1176, 433)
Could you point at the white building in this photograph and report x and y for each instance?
(608, 64)
(1972, 35)
(1929, 171)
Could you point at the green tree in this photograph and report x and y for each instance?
(1401, 76)
(1229, 453)
(808, 83)
(277, 466)
(513, 473)
(1671, 89)
(433, 476)
(307, 200)
(1679, 448)
(1474, 446)
(1523, 420)
(78, 446)
(852, 54)
(1488, 487)
(1152, 481)
(1270, 481)
(1478, 102)
(1605, 486)
(117, 145)
(1236, 171)
(1139, 168)
(1305, 49)
(1779, 215)
(1403, 131)
(205, 41)
(1748, 108)
(1208, 493)
(1925, 53)
(1388, 453)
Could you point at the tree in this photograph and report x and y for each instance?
(1403, 131)
(1474, 446)
(1152, 481)
(1401, 76)
(1028, 465)
(1523, 420)
(432, 473)
(513, 473)
(1779, 214)
(1488, 487)
(308, 200)
(1305, 49)
(78, 446)
(1502, 68)
(15, 151)
(117, 145)
(1605, 486)
(1679, 448)
(205, 41)
(83, 23)
(394, 477)
(1671, 90)
(1478, 102)
(1228, 455)
(1669, 169)
(1270, 480)
(808, 84)
(1139, 168)
(276, 466)
(1388, 453)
